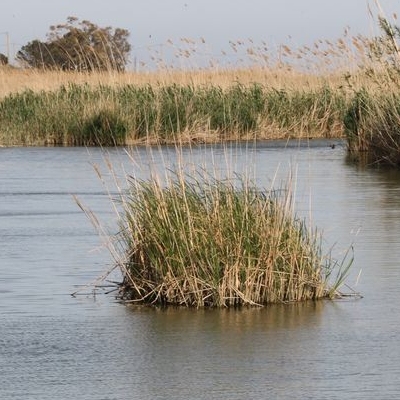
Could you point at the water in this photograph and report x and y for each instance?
(54, 346)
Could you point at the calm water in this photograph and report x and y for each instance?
(54, 346)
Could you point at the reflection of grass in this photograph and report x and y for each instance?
(213, 243)
(109, 115)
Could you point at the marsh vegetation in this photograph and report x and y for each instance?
(347, 88)
(205, 242)
(106, 115)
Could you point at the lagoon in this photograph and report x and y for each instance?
(53, 345)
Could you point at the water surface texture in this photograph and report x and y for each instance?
(54, 346)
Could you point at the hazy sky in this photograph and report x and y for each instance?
(153, 22)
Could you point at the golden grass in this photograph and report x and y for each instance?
(13, 80)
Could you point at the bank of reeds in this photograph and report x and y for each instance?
(117, 115)
(346, 87)
(372, 121)
(204, 242)
(373, 128)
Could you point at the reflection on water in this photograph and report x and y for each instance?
(55, 346)
(220, 351)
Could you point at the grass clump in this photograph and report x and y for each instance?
(372, 120)
(373, 128)
(217, 243)
(103, 128)
(70, 116)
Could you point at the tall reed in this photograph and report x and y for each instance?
(118, 115)
(199, 241)
(373, 128)
(372, 120)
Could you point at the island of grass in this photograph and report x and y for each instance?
(218, 243)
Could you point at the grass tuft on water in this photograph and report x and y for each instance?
(199, 241)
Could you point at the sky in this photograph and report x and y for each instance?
(213, 23)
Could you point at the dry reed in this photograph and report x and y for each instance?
(192, 239)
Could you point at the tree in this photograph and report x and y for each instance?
(80, 46)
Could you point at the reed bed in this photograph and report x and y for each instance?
(372, 121)
(198, 241)
(373, 129)
(273, 94)
(119, 115)
(340, 88)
